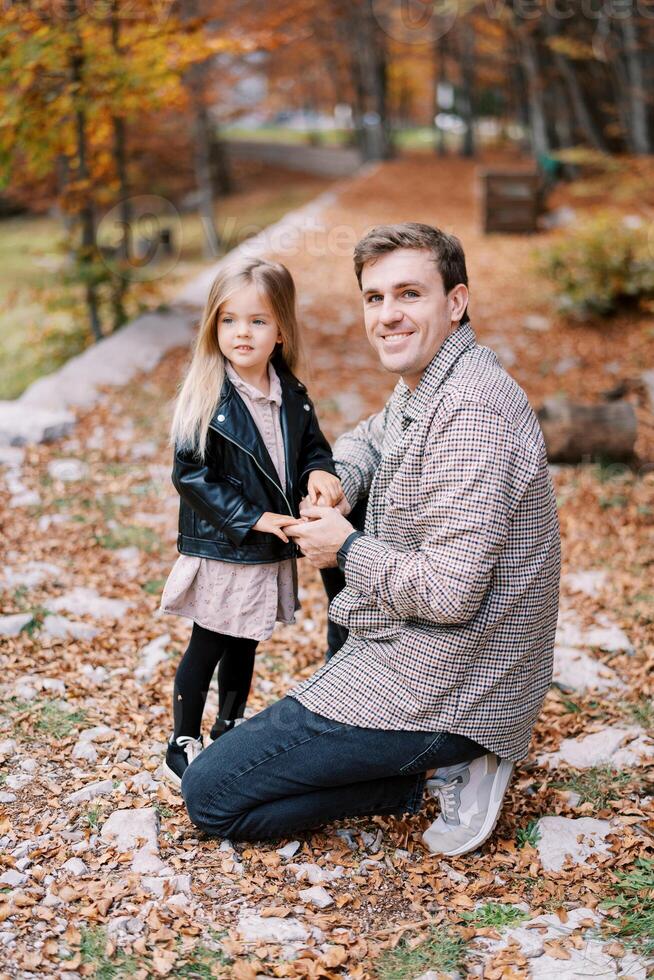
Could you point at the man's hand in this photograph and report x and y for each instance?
(273, 523)
(324, 488)
(321, 536)
(343, 506)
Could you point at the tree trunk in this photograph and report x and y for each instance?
(87, 217)
(578, 433)
(467, 36)
(638, 128)
(121, 282)
(202, 140)
(583, 118)
(537, 119)
(439, 79)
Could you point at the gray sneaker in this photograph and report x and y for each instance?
(470, 795)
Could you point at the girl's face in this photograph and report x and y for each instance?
(247, 330)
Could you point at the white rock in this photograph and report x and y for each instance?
(456, 876)
(580, 671)
(288, 850)
(21, 424)
(28, 765)
(122, 755)
(75, 866)
(30, 574)
(144, 782)
(7, 797)
(590, 583)
(146, 861)
(143, 450)
(614, 745)
(67, 470)
(60, 628)
(178, 901)
(19, 780)
(605, 634)
(12, 625)
(172, 885)
(7, 748)
(532, 940)
(128, 556)
(130, 829)
(129, 925)
(92, 791)
(11, 456)
(152, 654)
(100, 733)
(26, 498)
(590, 961)
(558, 838)
(84, 752)
(317, 896)
(316, 875)
(254, 928)
(96, 675)
(13, 878)
(537, 323)
(87, 602)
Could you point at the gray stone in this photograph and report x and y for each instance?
(590, 582)
(7, 797)
(558, 838)
(99, 733)
(30, 574)
(75, 866)
(152, 654)
(20, 425)
(13, 878)
(616, 746)
(97, 675)
(25, 498)
(67, 470)
(28, 765)
(12, 625)
(19, 780)
(254, 928)
(101, 788)
(316, 875)
(127, 925)
(288, 850)
(131, 829)
(144, 782)
(146, 861)
(60, 628)
(7, 748)
(532, 940)
(317, 896)
(605, 634)
(137, 347)
(87, 602)
(171, 884)
(84, 752)
(575, 669)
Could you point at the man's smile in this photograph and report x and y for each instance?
(390, 339)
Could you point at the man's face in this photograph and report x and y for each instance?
(407, 313)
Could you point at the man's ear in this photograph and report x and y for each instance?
(458, 300)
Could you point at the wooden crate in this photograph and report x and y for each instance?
(512, 200)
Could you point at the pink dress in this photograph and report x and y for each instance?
(240, 600)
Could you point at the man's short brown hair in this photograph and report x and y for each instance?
(445, 249)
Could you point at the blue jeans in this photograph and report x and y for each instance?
(288, 769)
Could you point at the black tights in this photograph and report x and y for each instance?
(235, 659)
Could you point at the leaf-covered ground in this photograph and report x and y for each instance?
(109, 526)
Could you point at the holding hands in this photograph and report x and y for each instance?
(325, 490)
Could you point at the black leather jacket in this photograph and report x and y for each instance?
(223, 497)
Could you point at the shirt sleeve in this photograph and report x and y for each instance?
(473, 477)
(357, 455)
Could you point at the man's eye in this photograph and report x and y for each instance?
(410, 292)
(374, 297)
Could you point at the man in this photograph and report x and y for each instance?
(451, 592)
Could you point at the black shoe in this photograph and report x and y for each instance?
(179, 756)
(221, 726)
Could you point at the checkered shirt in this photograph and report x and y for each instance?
(451, 594)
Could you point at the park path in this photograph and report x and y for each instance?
(101, 869)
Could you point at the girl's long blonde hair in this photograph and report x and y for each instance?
(200, 391)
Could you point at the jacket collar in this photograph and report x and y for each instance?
(436, 372)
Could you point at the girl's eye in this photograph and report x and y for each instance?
(259, 321)
(226, 319)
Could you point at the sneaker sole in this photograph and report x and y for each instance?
(171, 776)
(499, 788)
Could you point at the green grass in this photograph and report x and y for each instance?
(443, 950)
(633, 907)
(53, 719)
(127, 536)
(529, 834)
(641, 712)
(495, 914)
(203, 960)
(92, 817)
(154, 586)
(92, 950)
(600, 784)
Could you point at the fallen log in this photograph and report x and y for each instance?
(580, 433)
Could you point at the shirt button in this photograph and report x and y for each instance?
(221, 418)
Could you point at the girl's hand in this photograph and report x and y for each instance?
(271, 523)
(324, 489)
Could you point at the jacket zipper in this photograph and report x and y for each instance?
(260, 467)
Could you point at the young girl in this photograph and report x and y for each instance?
(248, 447)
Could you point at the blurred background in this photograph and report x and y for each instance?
(141, 139)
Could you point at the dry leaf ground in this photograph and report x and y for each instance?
(127, 501)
